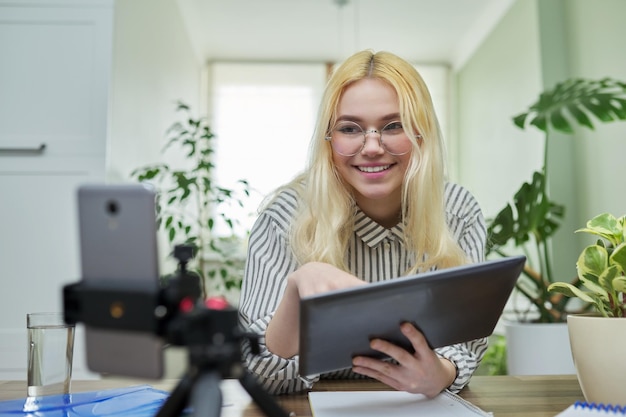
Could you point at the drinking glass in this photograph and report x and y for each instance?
(50, 354)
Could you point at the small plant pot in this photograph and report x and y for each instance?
(598, 346)
(538, 349)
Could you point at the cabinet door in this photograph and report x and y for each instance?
(55, 60)
(39, 252)
(54, 77)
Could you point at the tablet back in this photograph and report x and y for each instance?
(449, 306)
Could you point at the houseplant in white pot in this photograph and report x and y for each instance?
(598, 339)
(529, 222)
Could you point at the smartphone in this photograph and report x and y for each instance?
(118, 250)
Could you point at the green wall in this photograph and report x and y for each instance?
(499, 81)
(596, 41)
(535, 45)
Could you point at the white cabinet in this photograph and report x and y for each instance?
(55, 63)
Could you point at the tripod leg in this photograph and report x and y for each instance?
(265, 401)
(179, 398)
(206, 398)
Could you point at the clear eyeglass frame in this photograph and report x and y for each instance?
(343, 128)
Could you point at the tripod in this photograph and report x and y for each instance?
(213, 354)
(209, 331)
(213, 342)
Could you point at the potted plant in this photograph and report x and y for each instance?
(191, 205)
(597, 339)
(529, 222)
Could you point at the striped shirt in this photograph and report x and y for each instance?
(375, 253)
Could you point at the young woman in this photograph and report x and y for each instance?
(373, 204)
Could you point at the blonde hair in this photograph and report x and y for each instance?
(324, 222)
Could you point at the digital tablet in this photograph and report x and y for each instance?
(449, 306)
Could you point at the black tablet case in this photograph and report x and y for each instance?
(449, 306)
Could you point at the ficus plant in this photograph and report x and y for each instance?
(530, 221)
(191, 205)
(601, 268)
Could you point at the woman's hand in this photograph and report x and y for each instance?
(282, 334)
(316, 277)
(421, 372)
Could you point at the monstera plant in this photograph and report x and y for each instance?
(531, 219)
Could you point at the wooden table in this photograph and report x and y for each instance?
(505, 396)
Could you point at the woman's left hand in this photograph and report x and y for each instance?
(422, 372)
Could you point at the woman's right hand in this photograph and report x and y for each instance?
(317, 277)
(282, 334)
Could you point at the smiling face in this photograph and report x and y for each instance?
(374, 175)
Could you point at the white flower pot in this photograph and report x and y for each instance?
(598, 346)
(538, 349)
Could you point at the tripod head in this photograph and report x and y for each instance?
(184, 253)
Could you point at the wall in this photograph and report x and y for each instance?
(596, 40)
(499, 81)
(154, 65)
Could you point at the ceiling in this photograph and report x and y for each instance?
(424, 31)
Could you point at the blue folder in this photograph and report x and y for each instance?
(136, 401)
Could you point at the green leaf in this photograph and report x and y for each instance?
(560, 123)
(182, 106)
(619, 108)
(598, 109)
(519, 120)
(580, 116)
(592, 262)
(570, 291)
(576, 98)
(540, 122)
(619, 284)
(596, 287)
(606, 226)
(533, 216)
(605, 280)
(618, 257)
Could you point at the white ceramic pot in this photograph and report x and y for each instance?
(538, 349)
(599, 349)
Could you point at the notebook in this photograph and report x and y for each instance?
(390, 404)
(449, 306)
(583, 409)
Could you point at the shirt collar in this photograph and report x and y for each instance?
(372, 233)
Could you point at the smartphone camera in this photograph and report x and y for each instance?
(112, 207)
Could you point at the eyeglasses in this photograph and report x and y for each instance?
(348, 138)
